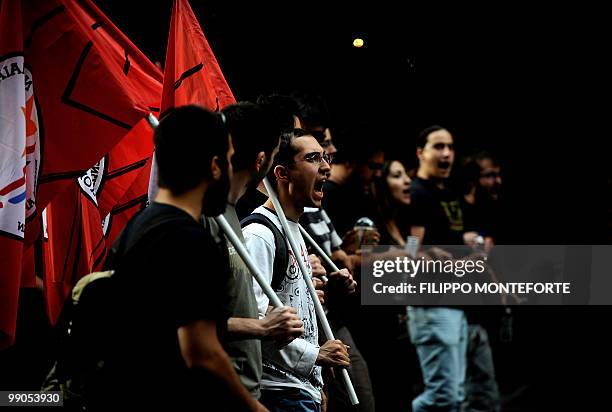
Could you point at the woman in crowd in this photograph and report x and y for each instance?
(393, 197)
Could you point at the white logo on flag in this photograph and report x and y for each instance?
(17, 122)
(91, 182)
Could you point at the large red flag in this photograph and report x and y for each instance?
(191, 73)
(13, 158)
(83, 86)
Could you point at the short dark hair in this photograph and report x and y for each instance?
(253, 130)
(470, 167)
(422, 137)
(282, 108)
(286, 151)
(313, 111)
(186, 141)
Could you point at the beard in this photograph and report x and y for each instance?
(215, 198)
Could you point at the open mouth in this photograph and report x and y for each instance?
(318, 186)
(444, 165)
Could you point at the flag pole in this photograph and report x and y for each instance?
(319, 251)
(318, 307)
(152, 191)
(248, 261)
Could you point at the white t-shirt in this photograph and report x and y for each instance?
(294, 365)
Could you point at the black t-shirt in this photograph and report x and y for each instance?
(347, 203)
(484, 216)
(439, 211)
(171, 276)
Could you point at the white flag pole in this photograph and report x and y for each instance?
(248, 261)
(318, 307)
(319, 251)
(152, 192)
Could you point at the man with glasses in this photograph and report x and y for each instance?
(292, 379)
(314, 118)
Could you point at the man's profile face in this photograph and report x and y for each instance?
(308, 173)
(215, 198)
(437, 157)
(490, 177)
(372, 169)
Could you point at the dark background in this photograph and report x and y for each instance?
(519, 81)
(523, 82)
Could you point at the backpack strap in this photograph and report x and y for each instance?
(281, 256)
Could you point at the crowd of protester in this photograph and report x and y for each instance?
(189, 327)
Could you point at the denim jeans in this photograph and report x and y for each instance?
(289, 400)
(481, 391)
(440, 337)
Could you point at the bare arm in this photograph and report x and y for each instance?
(201, 348)
(279, 324)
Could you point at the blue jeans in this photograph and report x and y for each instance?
(440, 337)
(289, 400)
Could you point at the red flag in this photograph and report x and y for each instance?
(192, 74)
(71, 87)
(74, 244)
(13, 163)
(111, 177)
(87, 74)
(134, 200)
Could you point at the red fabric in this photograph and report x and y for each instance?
(75, 244)
(87, 86)
(123, 165)
(134, 200)
(12, 165)
(192, 74)
(79, 72)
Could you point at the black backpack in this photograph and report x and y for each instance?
(281, 257)
(87, 325)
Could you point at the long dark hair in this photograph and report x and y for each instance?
(388, 208)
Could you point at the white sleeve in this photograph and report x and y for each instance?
(259, 242)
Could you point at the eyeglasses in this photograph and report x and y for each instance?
(318, 158)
